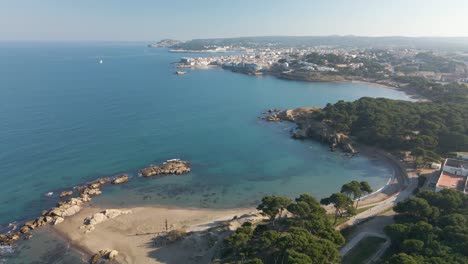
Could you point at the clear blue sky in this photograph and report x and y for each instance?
(131, 20)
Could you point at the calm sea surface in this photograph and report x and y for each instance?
(66, 119)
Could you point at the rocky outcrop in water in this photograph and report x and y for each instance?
(9, 239)
(65, 193)
(57, 214)
(176, 167)
(309, 127)
(120, 179)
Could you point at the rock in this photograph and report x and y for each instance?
(65, 193)
(94, 185)
(9, 239)
(272, 118)
(85, 198)
(65, 211)
(25, 229)
(91, 191)
(40, 221)
(120, 179)
(58, 220)
(95, 219)
(112, 254)
(30, 224)
(95, 258)
(176, 167)
(75, 201)
(108, 253)
(150, 171)
(105, 254)
(112, 213)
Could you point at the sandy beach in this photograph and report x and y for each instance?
(133, 234)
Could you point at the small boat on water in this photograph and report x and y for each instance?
(49, 194)
(180, 72)
(101, 61)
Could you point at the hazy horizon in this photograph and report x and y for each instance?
(87, 20)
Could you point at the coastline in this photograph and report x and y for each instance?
(344, 79)
(396, 183)
(133, 235)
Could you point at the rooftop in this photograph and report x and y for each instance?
(451, 181)
(457, 163)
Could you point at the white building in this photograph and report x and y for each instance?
(456, 167)
(454, 175)
(462, 155)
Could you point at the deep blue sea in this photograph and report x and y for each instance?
(66, 119)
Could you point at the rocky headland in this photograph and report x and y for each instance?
(308, 126)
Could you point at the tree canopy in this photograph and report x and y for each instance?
(425, 127)
(304, 236)
(430, 228)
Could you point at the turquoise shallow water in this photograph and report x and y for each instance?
(66, 119)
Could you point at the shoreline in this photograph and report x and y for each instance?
(68, 231)
(396, 183)
(133, 234)
(414, 96)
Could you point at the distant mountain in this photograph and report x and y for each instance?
(445, 43)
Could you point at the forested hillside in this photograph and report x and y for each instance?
(424, 127)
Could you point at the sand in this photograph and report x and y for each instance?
(132, 234)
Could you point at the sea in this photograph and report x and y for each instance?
(66, 118)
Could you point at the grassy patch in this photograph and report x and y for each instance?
(364, 250)
(360, 210)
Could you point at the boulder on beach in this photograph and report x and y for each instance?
(97, 218)
(104, 254)
(58, 220)
(65, 210)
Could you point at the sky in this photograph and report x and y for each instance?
(145, 20)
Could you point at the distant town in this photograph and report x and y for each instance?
(386, 66)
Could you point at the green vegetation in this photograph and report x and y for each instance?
(431, 62)
(426, 128)
(436, 92)
(343, 205)
(305, 235)
(430, 228)
(364, 250)
(356, 189)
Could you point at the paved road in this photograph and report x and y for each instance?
(384, 205)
